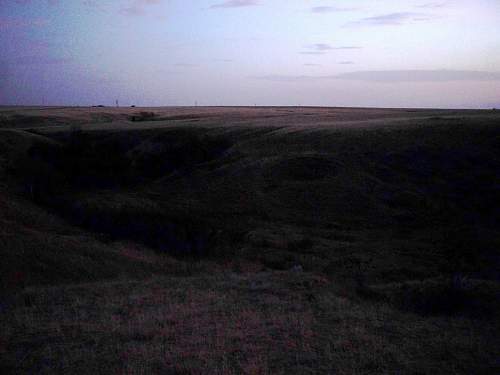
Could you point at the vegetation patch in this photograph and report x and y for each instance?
(304, 168)
(466, 297)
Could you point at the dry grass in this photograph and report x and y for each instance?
(226, 324)
(263, 323)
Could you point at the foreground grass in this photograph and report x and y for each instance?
(252, 323)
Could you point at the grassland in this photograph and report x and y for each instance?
(249, 240)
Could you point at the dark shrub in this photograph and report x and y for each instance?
(300, 245)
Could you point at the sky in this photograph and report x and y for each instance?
(363, 53)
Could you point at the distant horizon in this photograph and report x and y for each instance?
(62, 106)
(324, 53)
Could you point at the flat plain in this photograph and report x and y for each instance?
(256, 240)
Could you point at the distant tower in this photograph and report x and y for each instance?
(116, 103)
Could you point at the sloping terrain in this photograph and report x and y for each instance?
(255, 240)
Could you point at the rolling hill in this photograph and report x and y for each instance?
(249, 240)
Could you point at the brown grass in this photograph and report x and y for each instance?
(264, 323)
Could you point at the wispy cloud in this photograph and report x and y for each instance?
(291, 78)
(312, 53)
(393, 19)
(421, 76)
(394, 76)
(138, 7)
(329, 9)
(347, 47)
(235, 4)
(432, 5)
(322, 48)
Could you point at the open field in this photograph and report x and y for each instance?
(257, 240)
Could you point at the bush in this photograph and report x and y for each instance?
(300, 244)
(439, 297)
(143, 116)
(462, 248)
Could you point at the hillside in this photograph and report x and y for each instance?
(255, 240)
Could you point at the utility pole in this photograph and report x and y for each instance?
(116, 103)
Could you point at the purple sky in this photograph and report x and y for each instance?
(394, 53)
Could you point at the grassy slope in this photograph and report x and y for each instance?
(40, 248)
(379, 217)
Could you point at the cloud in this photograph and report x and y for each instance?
(393, 19)
(328, 47)
(348, 47)
(394, 76)
(312, 53)
(138, 7)
(432, 5)
(421, 76)
(322, 48)
(290, 78)
(346, 63)
(317, 49)
(309, 64)
(327, 9)
(235, 4)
